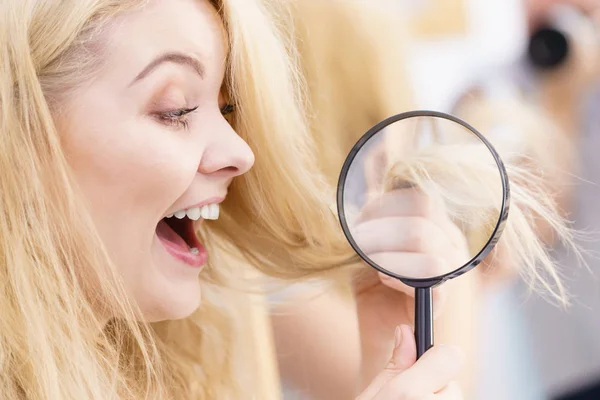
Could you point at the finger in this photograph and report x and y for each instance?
(410, 234)
(411, 203)
(438, 295)
(452, 391)
(405, 350)
(396, 284)
(403, 357)
(402, 203)
(374, 167)
(410, 265)
(434, 371)
(456, 237)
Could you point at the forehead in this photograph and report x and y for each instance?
(187, 26)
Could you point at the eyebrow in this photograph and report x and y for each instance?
(177, 58)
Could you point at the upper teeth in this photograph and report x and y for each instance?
(209, 211)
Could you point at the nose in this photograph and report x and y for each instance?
(227, 155)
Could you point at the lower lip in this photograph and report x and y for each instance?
(179, 249)
(197, 260)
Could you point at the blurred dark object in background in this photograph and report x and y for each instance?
(548, 48)
(587, 393)
(554, 36)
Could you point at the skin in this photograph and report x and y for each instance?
(328, 357)
(405, 378)
(363, 331)
(135, 163)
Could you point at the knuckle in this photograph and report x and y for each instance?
(367, 212)
(434, 265)
(391, 367)
(417, 236)
(425, 206)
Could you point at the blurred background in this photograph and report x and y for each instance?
(543, 55)
(546, 53)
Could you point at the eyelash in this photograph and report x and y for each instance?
(228, 109)
(179, 118)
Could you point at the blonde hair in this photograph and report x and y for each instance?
(353, 63)
(353, 58)
(539, 158)
(52, 343)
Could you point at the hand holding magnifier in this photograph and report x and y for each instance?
(425, 153)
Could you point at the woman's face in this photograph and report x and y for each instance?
(147, 139)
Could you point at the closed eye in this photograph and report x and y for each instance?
(176, 118)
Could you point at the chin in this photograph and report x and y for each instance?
(177, 304)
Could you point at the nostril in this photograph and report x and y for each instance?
(225, 172)
(241, 164)
(218, 167)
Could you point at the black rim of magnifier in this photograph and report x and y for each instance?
(473, 262)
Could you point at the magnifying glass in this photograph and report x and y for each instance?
(431, 154)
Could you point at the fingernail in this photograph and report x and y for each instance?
(397, 337)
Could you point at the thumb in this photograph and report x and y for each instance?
(405, 350)
(374, 167)
(403, 357)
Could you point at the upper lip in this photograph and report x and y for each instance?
(212, 200)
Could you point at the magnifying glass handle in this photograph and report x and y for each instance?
(423, 320)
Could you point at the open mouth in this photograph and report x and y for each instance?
(177, 233)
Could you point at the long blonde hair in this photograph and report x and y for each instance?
(353, 57)
(52, 344)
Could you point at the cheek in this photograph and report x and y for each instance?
(128, 172)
